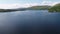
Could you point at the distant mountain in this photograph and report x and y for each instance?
(39, 7)
(55, 8)
(29, 8)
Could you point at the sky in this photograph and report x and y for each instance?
(11, 4)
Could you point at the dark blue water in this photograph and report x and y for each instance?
(30, 22)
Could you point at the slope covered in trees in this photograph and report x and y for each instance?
(39, 8)
(55, 8)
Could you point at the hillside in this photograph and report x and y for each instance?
(55, 8)
(38, 7)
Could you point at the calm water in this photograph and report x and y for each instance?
(30, 22)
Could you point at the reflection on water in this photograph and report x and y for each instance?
(30, 22)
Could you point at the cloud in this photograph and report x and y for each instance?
(51, 3)
(8, 6)
(46, 3)
(18, 5)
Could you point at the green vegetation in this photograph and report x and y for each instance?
(55, 8)
(38, 7)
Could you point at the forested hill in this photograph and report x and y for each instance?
(55, 8)
(38, 7)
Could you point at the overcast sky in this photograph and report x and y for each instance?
(7, 4)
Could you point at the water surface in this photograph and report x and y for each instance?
(30, 22)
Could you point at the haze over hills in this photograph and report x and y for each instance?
(37, 7)
(12, 5)
(45, 7)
